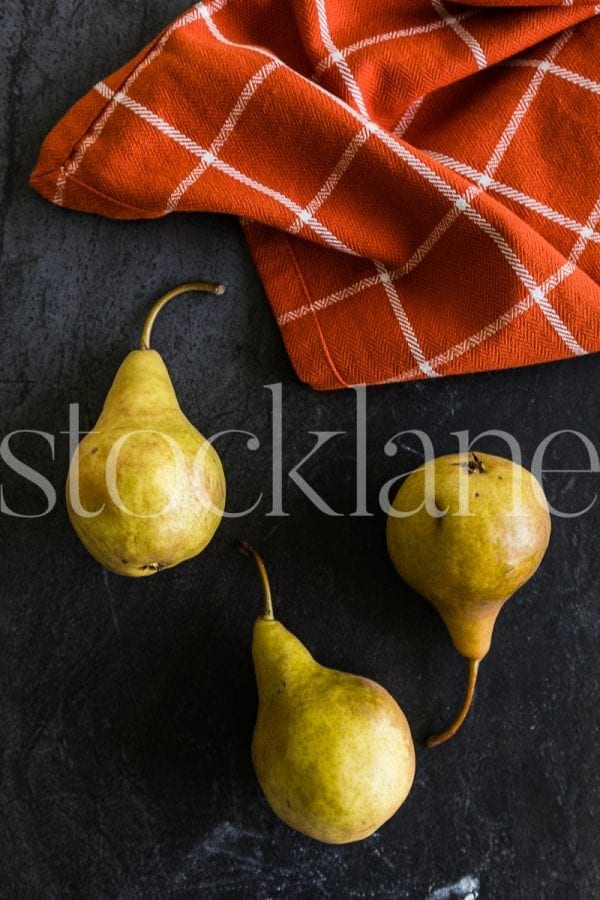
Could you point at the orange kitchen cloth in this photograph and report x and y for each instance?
(418, 180)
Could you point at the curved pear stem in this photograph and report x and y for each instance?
(207, 287)
(262, 571)
(436, 739)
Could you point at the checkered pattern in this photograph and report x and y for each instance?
(418, 180)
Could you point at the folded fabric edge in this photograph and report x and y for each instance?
(75, 129)
(280, 275)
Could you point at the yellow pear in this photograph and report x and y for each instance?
(333, 752)
(466, 531)
(145, 489)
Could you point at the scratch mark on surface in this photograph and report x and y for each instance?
(111, 600)
(411, 450)
(465, 889)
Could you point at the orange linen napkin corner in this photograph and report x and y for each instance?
(418, 180)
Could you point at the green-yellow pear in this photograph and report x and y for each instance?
(466, 531)
(333, 752)
(145, 489)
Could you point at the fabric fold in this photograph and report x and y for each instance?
(417, 181)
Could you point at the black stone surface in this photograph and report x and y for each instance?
(127, 707)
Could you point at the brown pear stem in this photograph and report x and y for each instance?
(436, 739)
(207, 287)
(262, 571)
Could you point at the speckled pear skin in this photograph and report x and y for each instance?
(178, 505)
(333, 752)
(468, 566)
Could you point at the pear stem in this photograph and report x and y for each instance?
(262, 571)
(436, 739)
(208, 287)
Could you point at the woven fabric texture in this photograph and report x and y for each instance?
(418, 180)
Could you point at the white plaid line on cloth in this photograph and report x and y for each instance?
(524, 104)
(408, 117)
(559, 71)
(514, 312)
(227, 129)
(104, 90)
(330, 300)
(569, 267)
(369, 281)
(466, 36)
(399, 149)
(192, 15)
(468, 343)
(213, 6)
(340, 168)
(383, 273)
(384, 278)
(505, 190)
(436, 25)
(210, 159)
(537, 292)
(339, 60)
(463, 205)
(372, 128)
(526, 279)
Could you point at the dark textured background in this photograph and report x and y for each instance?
(127, 706)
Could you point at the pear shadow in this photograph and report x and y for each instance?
(186, 745)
